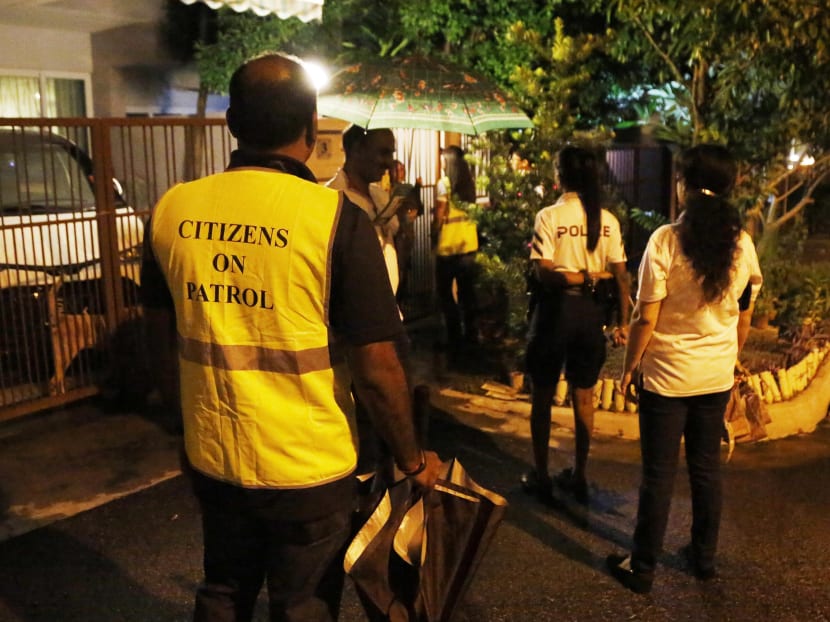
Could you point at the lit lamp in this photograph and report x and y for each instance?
(799, 157)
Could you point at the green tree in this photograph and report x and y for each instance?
(241, 36)
(551, 57)
(350, 30)
(750, 73)
(183, 29)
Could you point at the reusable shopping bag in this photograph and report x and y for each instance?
(415, 556)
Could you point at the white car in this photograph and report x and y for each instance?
(53, 297)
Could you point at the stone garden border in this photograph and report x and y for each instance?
(504, 409)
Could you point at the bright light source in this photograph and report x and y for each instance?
(799, 157)
(319, 74)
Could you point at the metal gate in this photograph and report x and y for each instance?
(74, 197)
(642, 176)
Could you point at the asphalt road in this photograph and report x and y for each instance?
(138, 558)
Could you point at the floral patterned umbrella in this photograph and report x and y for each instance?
(418, 93)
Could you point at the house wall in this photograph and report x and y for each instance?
(128, 66)
(39, 49)
(131, 68)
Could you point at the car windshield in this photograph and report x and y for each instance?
(42, 176)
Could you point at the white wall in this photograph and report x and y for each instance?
(39, 49)
(128, 66)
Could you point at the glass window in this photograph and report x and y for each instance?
(42, 173)
(42, 96)
(19, 96)
(64, 98)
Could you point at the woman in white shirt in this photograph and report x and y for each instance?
(698, 280)
(575, 242)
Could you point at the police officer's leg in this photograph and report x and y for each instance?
(584, 361)
(583, 406)
(540, 418)
(544, 363)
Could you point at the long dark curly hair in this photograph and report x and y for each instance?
(709, 226)
(579, 171)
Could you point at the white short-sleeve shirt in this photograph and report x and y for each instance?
(694, 346)
(386, 233)
(560, 234)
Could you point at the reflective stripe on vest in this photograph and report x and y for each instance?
(266, 400)
(459, 233)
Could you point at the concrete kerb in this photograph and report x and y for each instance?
(503, 415)
(509, 413)
(802, 413)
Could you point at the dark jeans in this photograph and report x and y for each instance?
(246, 543)
(462, 269)
(663, 421)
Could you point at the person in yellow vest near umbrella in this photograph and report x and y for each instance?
(276, 292)
(455, 237)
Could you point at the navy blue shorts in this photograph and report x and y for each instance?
(566, 330)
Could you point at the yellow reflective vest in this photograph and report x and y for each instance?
(459, 233)
(247, 257)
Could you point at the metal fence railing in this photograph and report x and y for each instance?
(75, 195)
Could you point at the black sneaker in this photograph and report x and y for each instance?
(620, 568)
(702, 573)
(538, 486)
(578, 488)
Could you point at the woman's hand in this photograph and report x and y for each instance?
(620, 336)
(630, 384)
(625, 380)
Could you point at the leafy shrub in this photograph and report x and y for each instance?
(804, 296)
(501, 288)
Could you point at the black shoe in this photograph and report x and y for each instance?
(620, 568)
(578, 488)
(538, 486)
(702, 573)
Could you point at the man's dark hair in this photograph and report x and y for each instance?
(272, 102)
(353, 136)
